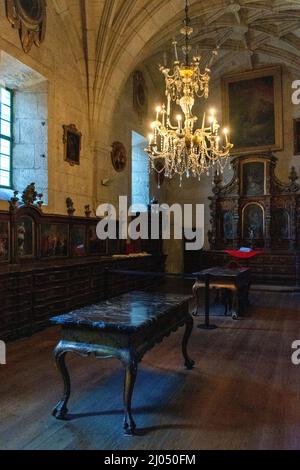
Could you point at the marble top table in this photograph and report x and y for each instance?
(125, 327)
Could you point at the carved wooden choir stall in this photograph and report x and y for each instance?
(51, 264)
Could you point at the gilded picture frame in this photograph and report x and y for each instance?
(72, 144)
(118, 156)
(29, 18)
(253, 109)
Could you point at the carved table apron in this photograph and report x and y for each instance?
(124, 327)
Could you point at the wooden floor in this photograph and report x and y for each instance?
(243, 394)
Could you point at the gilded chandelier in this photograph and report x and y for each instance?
(180, 148)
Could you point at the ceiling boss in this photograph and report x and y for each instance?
(180, 148)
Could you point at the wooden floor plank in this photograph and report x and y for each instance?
(243, 393)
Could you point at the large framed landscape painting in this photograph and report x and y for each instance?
(252, 107)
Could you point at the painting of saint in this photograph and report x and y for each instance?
(95, 245)
(254, 179)
(78, 243)
(25, 237)
(252, 106)
(54, 239)
(228, 225)
(73, 147)
(4, 241)
(72, 140)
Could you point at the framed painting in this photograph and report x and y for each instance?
(254, 178)
(78, 240)
(252, 107)
(54, 240)
(118, 156)
(30, 18)
(297, 136)
(72, 142)
(95, 245)
(280, 226)
(228, 225)
(25, 237)
(140, 99)
(4, 241)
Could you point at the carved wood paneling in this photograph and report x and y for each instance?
(275, 196)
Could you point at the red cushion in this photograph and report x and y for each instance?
(244, 255)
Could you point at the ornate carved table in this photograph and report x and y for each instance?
(233, 283)
(124, 327)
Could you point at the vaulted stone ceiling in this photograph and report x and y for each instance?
(251, 32)
(111, 37)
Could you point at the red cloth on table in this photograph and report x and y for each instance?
(244, 255)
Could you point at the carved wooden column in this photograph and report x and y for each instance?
(297, 228)
(268, 223)
(236, 223)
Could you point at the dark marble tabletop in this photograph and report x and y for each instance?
(222, 272)
(127, 312)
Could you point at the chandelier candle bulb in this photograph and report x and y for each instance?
(158, 110)
(226, 135)
(211, 121)
(169, 106)
(175, 50)
(179, 118)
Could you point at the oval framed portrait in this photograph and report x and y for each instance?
(141, 95)
(31, 10)
(118, 156)
(29, 17)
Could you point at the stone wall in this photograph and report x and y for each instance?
(125, 120)
(67, 103)
(30, 149)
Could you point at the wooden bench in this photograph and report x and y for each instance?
(124, 327)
